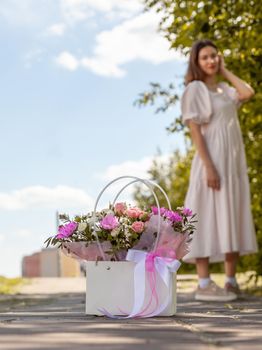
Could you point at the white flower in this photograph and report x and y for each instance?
(92, 221)
(115, 232)
(82, 226)
(108, 211)
(127, 233)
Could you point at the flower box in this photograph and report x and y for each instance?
(110, 286)
(131, 254)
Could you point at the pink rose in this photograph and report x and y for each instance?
(144, 216)
(120, 208)
(138, 226)
(109, 222)
(133, 213)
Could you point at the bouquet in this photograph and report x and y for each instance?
(122, 227)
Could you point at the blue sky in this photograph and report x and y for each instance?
(70, 72)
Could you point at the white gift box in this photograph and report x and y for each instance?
(110, 286)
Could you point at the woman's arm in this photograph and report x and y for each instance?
(213, 179)
(245, 91)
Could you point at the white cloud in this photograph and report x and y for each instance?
(58, 197)
(80, 10)
(67, 61)
(57, 29)
(134, 39)
(137, 168)
(75, 10)
(1, 238)
(32, 12)
(103, 67)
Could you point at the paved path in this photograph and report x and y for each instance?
(57, 321)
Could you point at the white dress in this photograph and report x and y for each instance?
(224, 217)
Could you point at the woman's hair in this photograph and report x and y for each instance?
(194, 72)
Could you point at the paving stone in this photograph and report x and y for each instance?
(57, 321)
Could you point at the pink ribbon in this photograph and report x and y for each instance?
(165, 253)
(168, 255)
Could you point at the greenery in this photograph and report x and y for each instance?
(172, 176)
(10, 285)
(234, 25)
(248, 285)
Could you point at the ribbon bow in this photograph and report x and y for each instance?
(161, 262)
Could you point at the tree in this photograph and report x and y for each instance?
(172, 176)
(235, 26)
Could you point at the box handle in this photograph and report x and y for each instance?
(150, 183)
(147, 183)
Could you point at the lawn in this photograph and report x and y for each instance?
(10, 285)
(247, 283)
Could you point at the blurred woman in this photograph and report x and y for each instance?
(219, 188)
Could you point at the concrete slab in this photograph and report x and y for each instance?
(57, 321)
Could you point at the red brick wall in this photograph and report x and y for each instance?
(31, 266)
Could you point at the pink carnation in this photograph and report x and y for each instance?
(66, 230)
(138, 226)
(177, 217)
(120, 208)
(174, 216)
(109, 222)
(155, 210)
(187, 212)
(134, 213)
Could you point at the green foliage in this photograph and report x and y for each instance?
(167, 97)
(9, 285)
(235, 26)
(172, 176)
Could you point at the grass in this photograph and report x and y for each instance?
(247, 283)
(10, 285)
(187, 284)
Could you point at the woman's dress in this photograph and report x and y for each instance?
(224, 217)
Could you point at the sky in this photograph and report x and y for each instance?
(69, 75)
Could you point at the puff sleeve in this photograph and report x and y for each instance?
(231, 92)
(196, 103)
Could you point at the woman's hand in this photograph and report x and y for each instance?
(245, 91)
(213, 179)
(222, 66)
(212, 176)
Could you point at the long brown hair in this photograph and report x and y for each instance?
(193, 70)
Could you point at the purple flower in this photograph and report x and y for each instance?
(155, 210)
(173, 216)
(66, 230)
(169, 214)
(176, 217)
(187, 212)
(109, 222)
